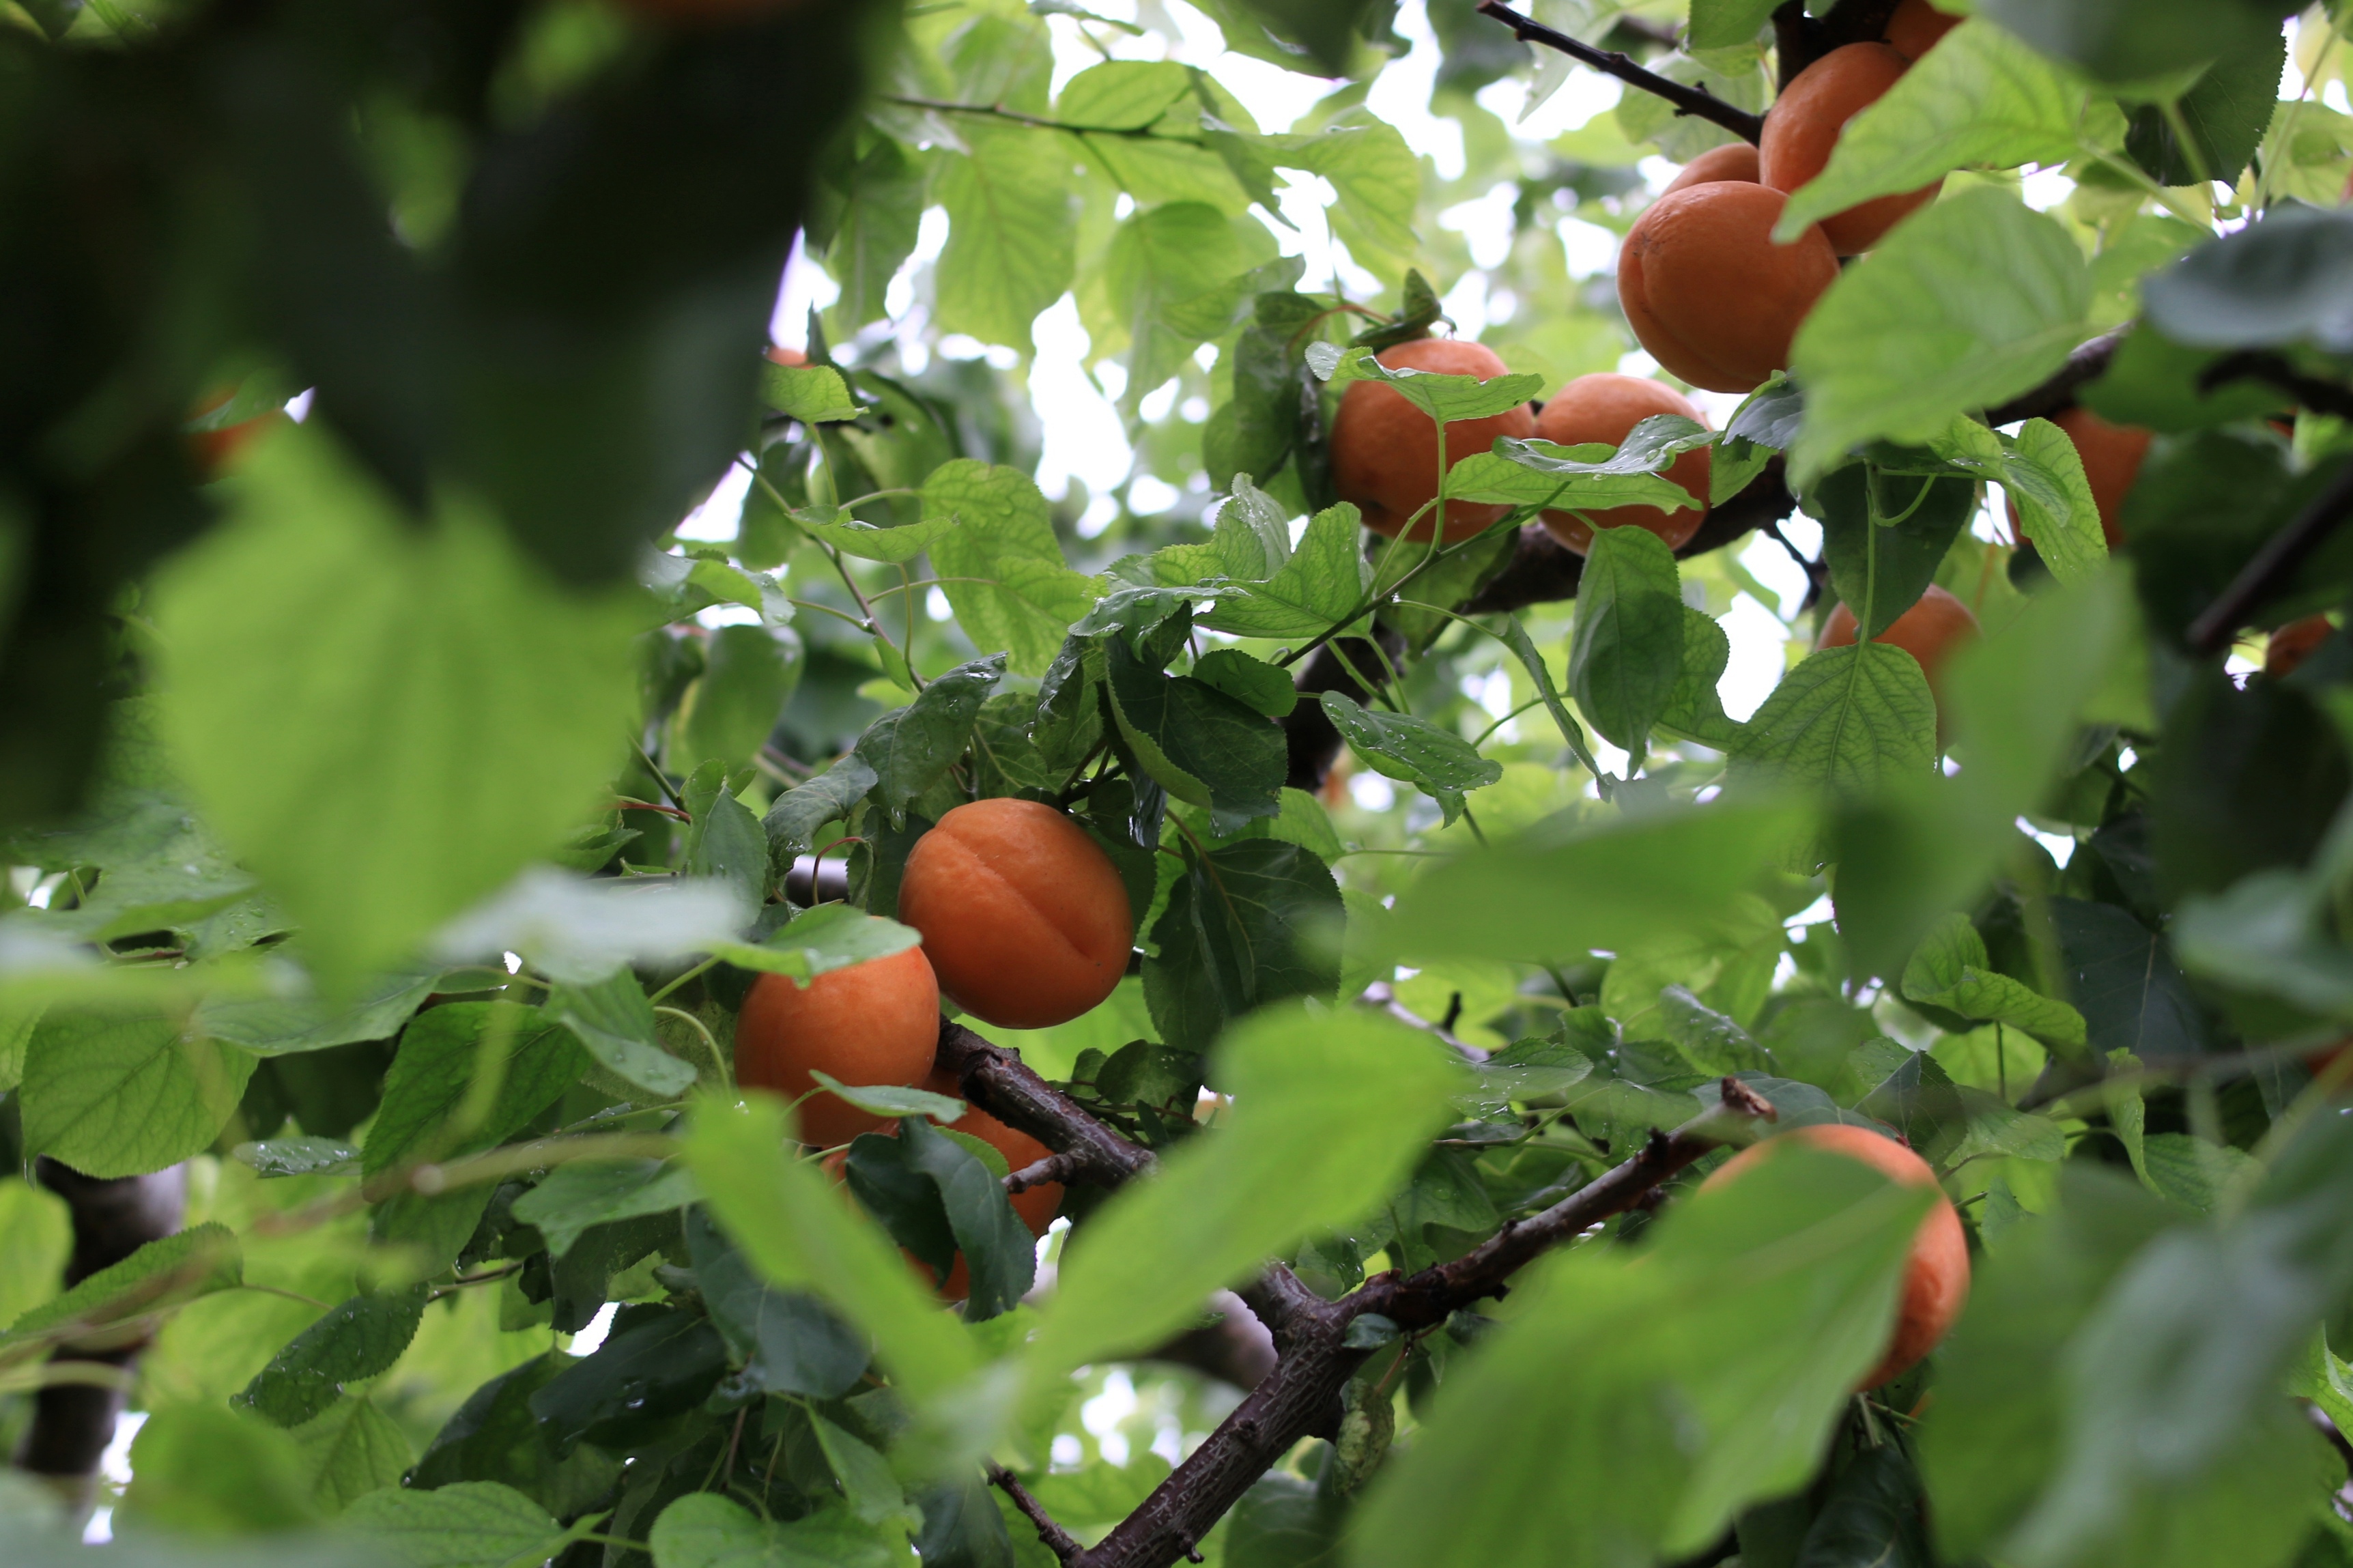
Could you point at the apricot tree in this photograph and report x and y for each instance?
(797, 783)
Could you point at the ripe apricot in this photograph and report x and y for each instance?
(1385, 450)
(1025, 919)
(1735, 161)
(1804, 124)
(1929, 631)
(1605, 408)
(1917, 28)
(872, 1023)
(1708, 293)
(784, 356)
(2293, 644)
(1936, 1279)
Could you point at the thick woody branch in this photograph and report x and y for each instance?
(2056, 395)
(2315, 393)
(1688, 101)
(1302, 1397)
(996, 1080)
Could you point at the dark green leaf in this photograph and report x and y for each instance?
(788, 1342)
(913, 748)
(1200, 744)
(1909, 551)
(2130, 41)
(2286, 278)
(1872, 1518)
(800, 811)
(2225, 116)
(1626, 657)
(1245, 925)
(657, 1362)
(354, 1342)
(615, 1022)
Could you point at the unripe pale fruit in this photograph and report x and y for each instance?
(1735, 161)
(2293, 644)
(1605, 408)
(2112, 457)
(1037, 1205)
(1025, 919)
(1936, 1279)
(1708, 293)
(873, 1022)
(1385, 450)
(1929, 631)
(1916, 27)
(1804, 124)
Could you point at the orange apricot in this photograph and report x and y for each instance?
(1385, 450)
(1707, 291)
(1917, 27)
(2293, 644)
(1605, 408)
(1736, 161)
(1929, 631)
(1024, 918)
(871, 1023)
(784, 356)
(1936, 1277)
(1804, 124)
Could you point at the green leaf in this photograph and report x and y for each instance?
(867, 1485)
(1980, 99)
(800, 811)
(792, 1225)
(725, 843)
(1012, 230)
(205, 1470)
(574, 1197)
(658, 1362)
(1249, 544)
(705, 1530)
(2043, 473)
(350, 1449)
(1412, 751)
(533, 1058)
(2225, 115)
(876, 230)
(2131, 41)
(869, 543)
(1635, 878)
(1330, 1111)
(1845, 720)
(2278, 281)
(1626, 657)
(1174, 275)
(812, 393)
(1446, 398)
(912, 749)
(615, 1022)
(1515, 636)
(275, 1027)
(384, 719)
(1727, 24)
(1249, 681)
(469, 1524)
(1320, 585)
(998, 1248)
(828, 937)
(300, 1157)
(1590, 478)
(1247, 925)
(892, 1099)
(1201, 745)
(1909, 553)
(1377, 180)
(1972, 299)
(1631, 1409)
(1768, 421)
(351, 1344)
(1027, 595)
(163, 1274)
(788, 1342)
(751, 674)
(576, 927)
(1951, 971)
(1122, 95)
(118, 1096)
(1695, 708)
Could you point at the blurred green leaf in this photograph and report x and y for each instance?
(2132, 41)
(1174, 275)
(705, 1530)
(160, 1275)
(1026, 596)
(386, 720)
(828, 937)
(1951, 971)
(2282, 279)
(467, 1524)
(749, 677)
(350, 1449)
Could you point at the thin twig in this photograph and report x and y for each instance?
(998, 111)
(1691, 101)
(2275, 565)
(1060, 1542)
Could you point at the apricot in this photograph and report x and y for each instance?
(215, 448)
(1707, 291)
(871, 1023)
(1936, 1277)
(784, 356)
(1025, 919)
(1804, 124)
(1929, 631)
(1917, 27)
(1385, 450)
(1735, 161)
(1605, 408)
(2293, 644)
(2112, 457)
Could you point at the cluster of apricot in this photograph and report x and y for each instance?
(1025, 924)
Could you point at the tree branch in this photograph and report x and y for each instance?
(1302, 1397)
(2275, 565)
(996, 1080)
(2315, 393)
(2056, 395)
(1691, 101)
(1060, 1542)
